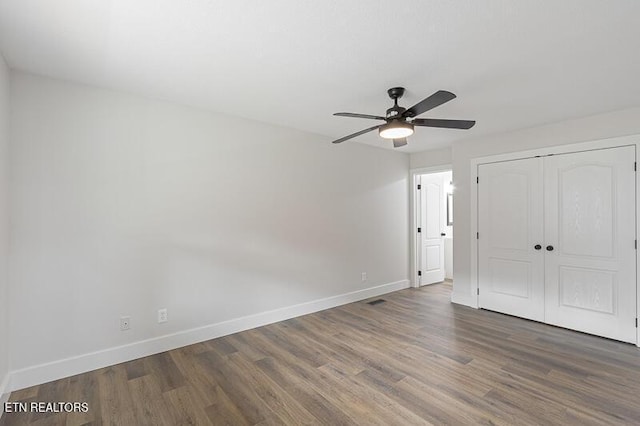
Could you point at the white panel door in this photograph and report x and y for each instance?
(511, 259)
(589, 242)
(433, 223)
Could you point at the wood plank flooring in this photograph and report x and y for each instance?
(415, 359)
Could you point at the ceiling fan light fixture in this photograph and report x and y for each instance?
(396, 129)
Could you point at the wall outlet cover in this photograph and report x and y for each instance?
(125, 323)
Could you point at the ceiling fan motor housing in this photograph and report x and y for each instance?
(395, 111)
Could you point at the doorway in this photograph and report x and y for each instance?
(433, 226)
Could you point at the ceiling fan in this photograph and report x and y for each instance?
(400, 121)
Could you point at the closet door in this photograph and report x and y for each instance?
(590, 282)
(510, 216)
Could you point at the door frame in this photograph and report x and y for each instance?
(633, 140)
(414, 209)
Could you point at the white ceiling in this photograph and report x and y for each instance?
(513, 64)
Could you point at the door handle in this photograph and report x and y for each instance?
(442, 234)
(549, 248)
(537, 247)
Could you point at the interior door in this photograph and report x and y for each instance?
(589, 242)
(432, 228)
(511, 259)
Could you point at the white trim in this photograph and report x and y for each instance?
(44, 373)
(415, 212)
(432, 169)
(472, 298)
(461, 299)
(4, 392)
(560, 149)
(637, 238)
(414, 207)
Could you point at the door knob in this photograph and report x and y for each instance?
(549, 248)
(442, 234)
(537, 247)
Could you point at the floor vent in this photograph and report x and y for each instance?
(376, 302)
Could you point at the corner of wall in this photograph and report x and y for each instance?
(4, 285)
(464, 300)
(5, 392)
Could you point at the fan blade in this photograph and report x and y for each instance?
(353, 135)
(437, 99)
(447, 124)
(397, 143)
(354, 115)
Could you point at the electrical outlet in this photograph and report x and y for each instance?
(364, 276)
(125, 323)
(162, 315)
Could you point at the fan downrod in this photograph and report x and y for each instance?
(396, 92)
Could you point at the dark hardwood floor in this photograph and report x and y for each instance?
(414, 359)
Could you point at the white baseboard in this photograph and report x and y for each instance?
(463, 299)
(4, 392)
(67, 367)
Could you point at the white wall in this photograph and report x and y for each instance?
(620, 123)
(4, 237)
(435, 157)
(122, 205)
